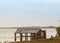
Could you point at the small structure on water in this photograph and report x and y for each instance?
(30, 33)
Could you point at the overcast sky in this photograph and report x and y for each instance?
(29, 13)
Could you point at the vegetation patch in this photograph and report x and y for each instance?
(53, 40)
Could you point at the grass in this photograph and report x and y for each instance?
(51, 40)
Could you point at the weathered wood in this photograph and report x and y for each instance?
(35, 33)
(15, 36)
(26, 36)
(20, 36)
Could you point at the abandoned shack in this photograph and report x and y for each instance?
(29, 33)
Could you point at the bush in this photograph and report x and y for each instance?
(58, 31)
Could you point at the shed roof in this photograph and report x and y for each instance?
(27, 30)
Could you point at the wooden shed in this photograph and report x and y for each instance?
(30, 33)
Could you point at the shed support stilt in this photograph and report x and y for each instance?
(26, 38)
(15, 36)
(20, 36)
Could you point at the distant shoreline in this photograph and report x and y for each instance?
(20, 27)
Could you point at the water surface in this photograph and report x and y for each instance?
(8, 34)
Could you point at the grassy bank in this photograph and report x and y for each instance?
(52, 40)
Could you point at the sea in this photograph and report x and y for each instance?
(8, 34)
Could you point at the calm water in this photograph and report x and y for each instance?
(8, 34)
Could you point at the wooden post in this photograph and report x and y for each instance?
(20, 36)
(31, 36)
(15, 36)
(26, 37)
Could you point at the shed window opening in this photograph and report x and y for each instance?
(29, 34)
(23, 34)
(42, 34)
(29, 38)
(23, 38)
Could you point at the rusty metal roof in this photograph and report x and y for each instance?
(28, 30)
